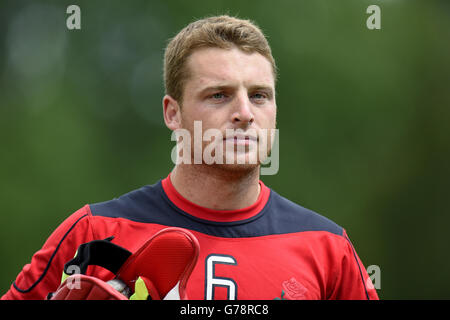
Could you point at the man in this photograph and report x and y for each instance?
(254, 244)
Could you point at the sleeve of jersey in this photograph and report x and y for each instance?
(43, 274)
(353, 282)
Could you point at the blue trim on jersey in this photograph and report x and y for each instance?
(150, 204)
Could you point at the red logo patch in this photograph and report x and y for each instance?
(293, 290)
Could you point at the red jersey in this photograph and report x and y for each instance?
(273, 249)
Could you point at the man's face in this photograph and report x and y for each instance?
(230, 89)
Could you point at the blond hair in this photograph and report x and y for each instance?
(223, 32)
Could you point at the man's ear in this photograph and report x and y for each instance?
(172, 113)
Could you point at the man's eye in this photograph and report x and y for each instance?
(218, 96)
(259, 96)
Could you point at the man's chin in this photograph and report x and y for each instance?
(235, 167)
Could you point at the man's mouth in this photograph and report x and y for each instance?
(240, 139)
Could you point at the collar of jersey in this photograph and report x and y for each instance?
(211, 214)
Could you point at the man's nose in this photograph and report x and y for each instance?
(242, 111)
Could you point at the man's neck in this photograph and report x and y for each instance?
(216, 188)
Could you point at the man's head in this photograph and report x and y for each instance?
(220, 71)
(222, 32)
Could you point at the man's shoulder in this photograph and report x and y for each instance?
(295, 218)
(134, 205)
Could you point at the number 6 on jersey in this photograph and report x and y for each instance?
(212, 281)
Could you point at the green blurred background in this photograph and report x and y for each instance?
(363, 118)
